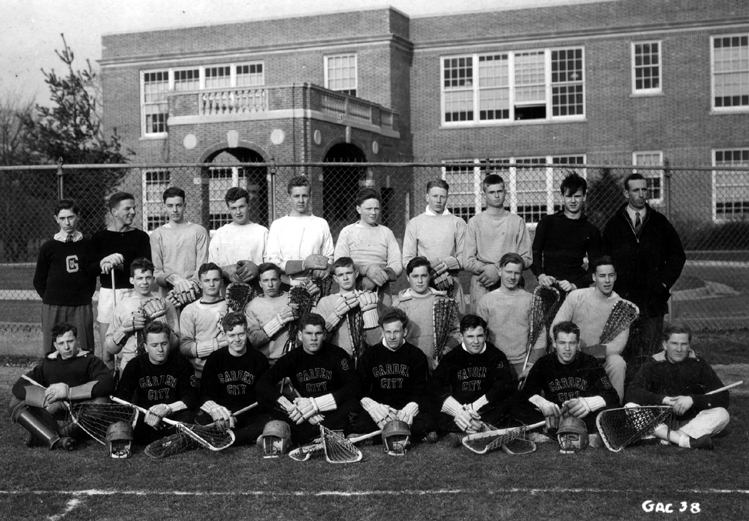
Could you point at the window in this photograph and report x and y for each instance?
(155, 106)
(188, 79)
(250, 75)
(217, 77)
(731, 188)
(730, 72)
(154, 184)
(527, 85)
(654, 176)
(531, 184)
(646, 67)
(340, 73)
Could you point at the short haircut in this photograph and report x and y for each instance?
(116, 199)
(232, 320)
(567, 327)
(297, 181)
(415, 263)
(173, 191)
(209, 266)
(511, 258)
(141, 263)
(572, 183)
(343, 262)
(676, 328)
(394, 315)
(235, 194)
(632, 177)
(156, 327)
(604, 260)
(311, 319)
(61, 328)
(66, 204)
(268, 266)
(492, 179)
(366, 194)
(471, 322)
(438, 183)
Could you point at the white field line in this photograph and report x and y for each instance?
(72, 504)
(359, 493)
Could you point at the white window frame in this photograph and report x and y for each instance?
(650, 174)
(647, 91)
(475, 88)
(152, 203)
(326, 67)
(143, 104)
(714, 74)
(744, 187)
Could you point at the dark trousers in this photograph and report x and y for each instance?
(423, 424)
(247, 428)
(145, 434)
(337, 420)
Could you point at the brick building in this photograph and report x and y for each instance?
(616, 81)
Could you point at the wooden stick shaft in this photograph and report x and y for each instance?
(726, 387)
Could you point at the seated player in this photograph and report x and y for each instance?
(200, 330)
(228, 384)
(394, 376)
(321, 374)
(418, 302)
(269, 314)
(347, 306)
(133, 312)
(473, 383)
(68, 375)
(566, 382)
(507, 313)
(678, 377)
(591, 308)
(161, 382)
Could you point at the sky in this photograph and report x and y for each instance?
(30, 29)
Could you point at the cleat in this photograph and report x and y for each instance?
(703, 442)
(65, 443)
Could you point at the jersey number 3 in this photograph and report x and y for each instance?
(72, 262)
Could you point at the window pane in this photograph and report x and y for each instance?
(647, 66)
(250, 75)
(187, 80)
(731, 77)
(459, 106)
(342, 73)
(217, 77)
(732, 188)
(530, 78)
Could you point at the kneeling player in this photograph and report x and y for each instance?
(677, 377)
(473, 382)
(394, 378)
(228, 384)
(567, 382)
(322, 375)
(68, 375)
(161, 382)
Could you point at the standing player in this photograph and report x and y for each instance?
(200, 330)
(394, 381)
(179, 247)
(372, 246)
(490, 235)
(161, 382)
(473, 383)
(677, 377)
(322, 375)
(133, 311)
(230, 376)
(269, 314)
(591, 308)
(117, 246)
(418, 303)
(566, 241)
(507, 312)
(65, 278)
(439, 236)
(300, 243)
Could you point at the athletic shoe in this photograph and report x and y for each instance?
(537, 437)
(431, 437)
(703, 442)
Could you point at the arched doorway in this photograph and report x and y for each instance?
(340, 185)
(228, 173)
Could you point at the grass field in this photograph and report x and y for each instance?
(431, 482)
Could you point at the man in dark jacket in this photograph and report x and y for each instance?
(649, 258)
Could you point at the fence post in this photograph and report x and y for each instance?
(272, 184)
(667, 211)
(60, 188)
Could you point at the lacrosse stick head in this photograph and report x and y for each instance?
(237, 296)
(624, 426)
(572, 435)
(170, 446)
(276, 439)
(395, 437)
(519, 446)
(96, 418)
(119, 439)
(338, 449)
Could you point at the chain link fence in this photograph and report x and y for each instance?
(709, 206)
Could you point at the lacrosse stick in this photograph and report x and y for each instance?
(338, 448)
(297, 295)
(483, 442)
(213, 437)
(314, 420)
(444, 313)
(624, 426)
(543, 304)
(519, 446)
(238, 294)
(622, 315)
(95, 418)
(355, 323)
(115, 362)
(317, 449)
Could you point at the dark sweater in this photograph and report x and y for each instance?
(79, 370)
(146, 384)
(131, 245)
(560, 244)
(230, 380)
(394, 378)
(66, 272)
